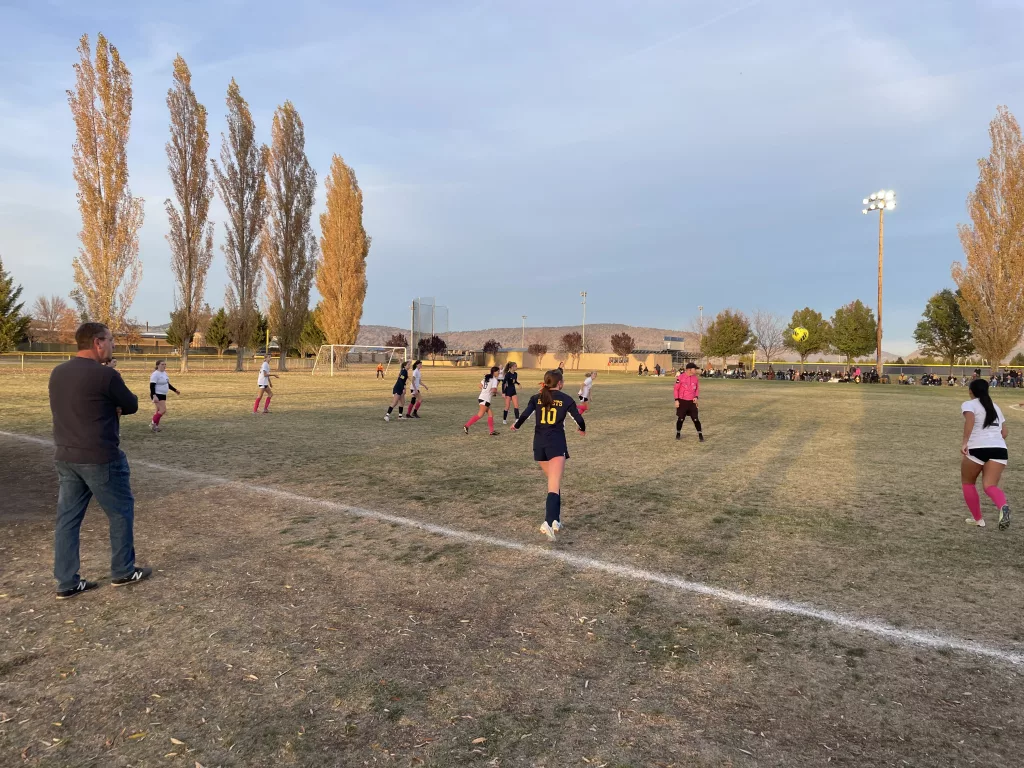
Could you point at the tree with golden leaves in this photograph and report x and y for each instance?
(289, 247)
(191, 234)
(55, 320)
(992, 282)
(242, 183)
(107, 269)
(341, 278)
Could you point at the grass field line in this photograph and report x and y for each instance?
(935, 641)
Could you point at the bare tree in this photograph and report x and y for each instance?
(768, 328)
(107, 269)
(289, 248)
(190, 235)
(55, 319)
(242, 183)
(341, 278)
(992, 282)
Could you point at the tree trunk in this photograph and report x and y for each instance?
(240, 359)
(184, 359)
(282, 362)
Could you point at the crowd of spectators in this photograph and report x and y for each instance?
(1011, 378)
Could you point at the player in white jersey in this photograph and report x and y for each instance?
(417, 393)
(263, 384)
(488, 387)
(159, 385)
(584, 393)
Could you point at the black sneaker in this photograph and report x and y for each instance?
(678, 436)
(415, 415)
(1004, 517)
(79, 588)
(139, 575)
(700, 436)
(495, 434)
(466, 430)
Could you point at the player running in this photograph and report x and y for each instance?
(398, 392)
(549, 447)
(417, 394)
(984, 451)
(159, 385)
(263, 385)
(509, 383)
(686, 392)
(584, 393)
(488, 387)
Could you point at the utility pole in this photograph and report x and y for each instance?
(524, 334)
(584, 295)
(882, 201)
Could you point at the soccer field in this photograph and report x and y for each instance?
(282, 630)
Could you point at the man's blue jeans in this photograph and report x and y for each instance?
(110, 484)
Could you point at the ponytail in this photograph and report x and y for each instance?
(489, 376)
(551, 381)
(508, 367)
(979, 388)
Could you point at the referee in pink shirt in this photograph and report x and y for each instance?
(686, 392)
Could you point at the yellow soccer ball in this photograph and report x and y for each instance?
(800, 334)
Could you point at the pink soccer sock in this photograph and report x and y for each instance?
(156, 418)
(472, 421)
(418, 404)
(256, 405)
(490, 422)
(996, 494)
(583, 408)
(266, 405)
(973, 500)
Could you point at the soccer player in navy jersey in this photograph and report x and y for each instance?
(549, 446)
(509, 383)
(398, 392)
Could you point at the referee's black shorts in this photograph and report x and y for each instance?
(687, 408)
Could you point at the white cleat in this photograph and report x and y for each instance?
(557, 526)
(387, 417)
(972, 521)
(547, 530)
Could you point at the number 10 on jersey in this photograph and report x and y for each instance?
(548, 415)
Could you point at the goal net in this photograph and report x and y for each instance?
(335, 358)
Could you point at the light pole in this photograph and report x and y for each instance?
(883, 200)
(524, 334)
(584, 295)
(700, 332)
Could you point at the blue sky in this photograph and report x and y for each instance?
(659, 155)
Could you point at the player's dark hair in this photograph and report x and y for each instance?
(489, 376)
(979, 388)
(157, 363)
(404, 364)
(417, 364)
(87, 332)
(551, 381)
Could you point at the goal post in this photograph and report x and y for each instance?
(335, 358)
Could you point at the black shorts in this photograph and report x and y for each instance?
(984, 455)
(160, 397)
(397, 391)
(510, 392)
(485, 404)
(544, 450)
(584, 399)
(687, 408)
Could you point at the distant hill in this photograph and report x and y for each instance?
(598, 336)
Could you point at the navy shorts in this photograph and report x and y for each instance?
(544, 450)
(398, 391)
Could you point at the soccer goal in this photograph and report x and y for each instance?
(332, 358)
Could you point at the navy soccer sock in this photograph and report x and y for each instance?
(553, 508)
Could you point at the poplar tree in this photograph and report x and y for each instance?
(241, 180)
(107, 269)
(191, 234)
(341, 277)
(991, 283)
(289, 247)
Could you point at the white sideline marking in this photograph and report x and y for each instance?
(879, 629)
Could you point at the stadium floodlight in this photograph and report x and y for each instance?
(883, 200)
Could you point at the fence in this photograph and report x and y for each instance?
(29, 362)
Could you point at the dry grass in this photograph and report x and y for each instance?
(278, 634)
